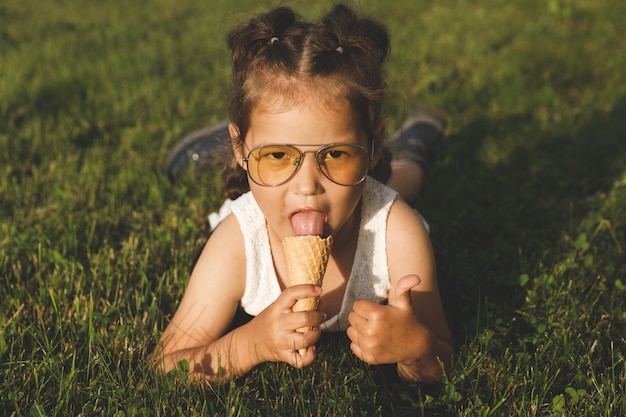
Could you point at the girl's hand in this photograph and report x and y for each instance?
(389, 333)
(273, 335)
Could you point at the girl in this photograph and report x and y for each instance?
(306, 130)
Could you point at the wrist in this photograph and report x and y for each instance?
(421, 364)
(228, 357)
(250, 343)
(422, 349)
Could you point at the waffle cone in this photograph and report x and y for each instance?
(306, 258)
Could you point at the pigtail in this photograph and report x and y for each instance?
(342, 39)
(235, 181)
(267, 46)
(266, 41)
(345, 46)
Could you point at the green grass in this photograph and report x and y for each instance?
(527, 205)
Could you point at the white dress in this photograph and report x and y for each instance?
(369, 278)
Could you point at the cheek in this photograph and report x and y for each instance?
(272, 204)
(266, 197)
(344, 204)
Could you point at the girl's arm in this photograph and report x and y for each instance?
(411, 330)
(197, 332)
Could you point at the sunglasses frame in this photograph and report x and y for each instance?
(370, 158)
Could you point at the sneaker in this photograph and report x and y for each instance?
(201, 148)
(419, 136)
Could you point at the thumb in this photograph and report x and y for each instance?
(402, 297)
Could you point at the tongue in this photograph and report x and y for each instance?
(308, 223)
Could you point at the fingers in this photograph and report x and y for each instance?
(299, 319)
(365, 309)
(362, 342)
(376, 330)
(301, 352)
(359, 330)
(292, 294)
(302, 357)
(278, 325)
(304, 319)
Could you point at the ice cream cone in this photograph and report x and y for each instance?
(306, 258)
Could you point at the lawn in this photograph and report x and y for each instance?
(527, 206)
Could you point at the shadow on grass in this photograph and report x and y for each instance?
(497, 217)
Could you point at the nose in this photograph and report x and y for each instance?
(307, 179)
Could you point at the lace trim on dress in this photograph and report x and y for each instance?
(369, 278)
(262, 286)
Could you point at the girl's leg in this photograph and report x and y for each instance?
(414, 152)
(407, 178)
(203, 147)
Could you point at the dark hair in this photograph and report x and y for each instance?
(278, 55)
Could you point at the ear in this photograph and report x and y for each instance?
(379, 137)
(237, 142)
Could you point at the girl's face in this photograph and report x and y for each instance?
(303, 125)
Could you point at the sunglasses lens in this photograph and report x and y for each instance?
(344, 164)
(273, 164)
